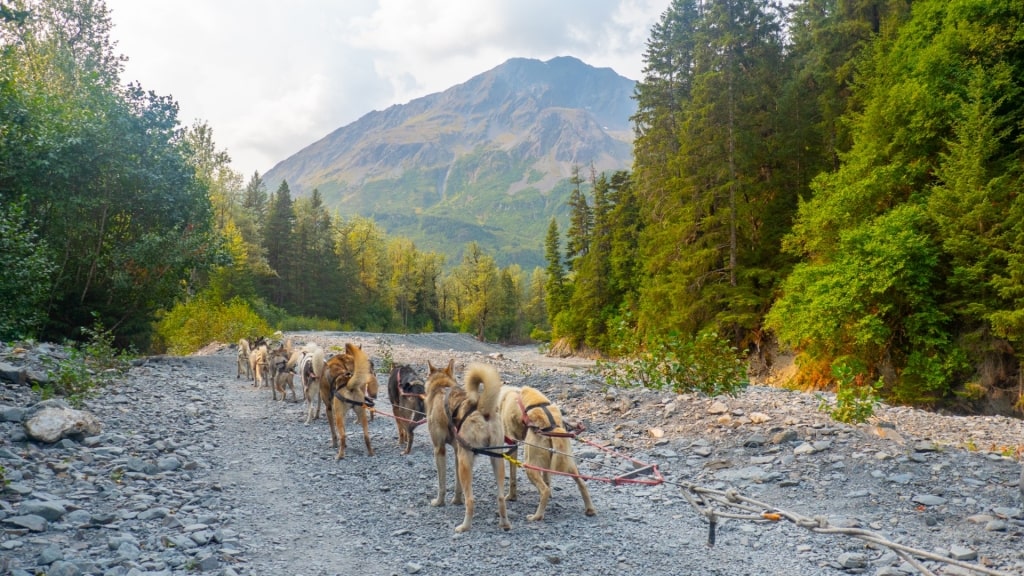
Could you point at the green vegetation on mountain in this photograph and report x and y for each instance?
(489, 158)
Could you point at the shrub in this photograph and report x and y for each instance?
(706, 363)
(191, 325)
(88, 367)
(855, 400)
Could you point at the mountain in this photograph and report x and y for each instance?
(487, 160)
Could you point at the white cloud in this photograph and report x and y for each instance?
(272, 77)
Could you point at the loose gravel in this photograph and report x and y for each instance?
(198, 471)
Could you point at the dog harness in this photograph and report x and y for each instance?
(453, 430)
(552, 422)
(556, 429)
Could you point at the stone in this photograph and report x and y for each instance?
(963, 553)
(928, 500)
(850, 560)
(718, 407)
(759, 418)
(52, 511)
(804, 448)
(49, 425)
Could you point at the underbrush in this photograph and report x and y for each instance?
(85, 368)
(191, 325)
(706, 363)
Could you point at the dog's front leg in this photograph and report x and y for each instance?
(441, 464)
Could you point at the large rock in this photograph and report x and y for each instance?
(53, 423)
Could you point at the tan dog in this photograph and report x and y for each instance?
(259, 365)
(350, 384)
(468, 419)
(528, 416)
(308, 363)
(243, 359)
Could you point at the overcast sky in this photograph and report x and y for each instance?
(271, 76)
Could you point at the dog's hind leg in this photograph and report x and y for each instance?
(339, 427)
(513, 489)
(408, 438)
(545, 493)
(361, 411)
(498, 465)
(464, 476)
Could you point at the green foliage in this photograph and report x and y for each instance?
(104, 174)
(306, 323)
(855, 401)
(387, 355)
(88, 366)
(193, 324)
(706, 363)
(27, 267)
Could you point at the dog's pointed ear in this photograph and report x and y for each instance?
(450, 370)
(430, 367)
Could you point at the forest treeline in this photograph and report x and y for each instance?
(836, 178)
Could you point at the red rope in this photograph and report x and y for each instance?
(416, 422)
(616, 481)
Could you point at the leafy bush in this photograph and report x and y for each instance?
(388, 355)
(855, 401)
(87, 368)
(191, 325)
(706, 363)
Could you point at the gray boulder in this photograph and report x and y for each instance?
(53, 423)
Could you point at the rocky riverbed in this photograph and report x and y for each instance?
(194, 470)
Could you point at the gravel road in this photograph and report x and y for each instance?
(267, 497)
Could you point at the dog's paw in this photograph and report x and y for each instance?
(534, 517)
(437, 502)
(505, 525)
(462, 527)
(590, 512)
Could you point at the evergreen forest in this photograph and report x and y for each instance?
(839, 180)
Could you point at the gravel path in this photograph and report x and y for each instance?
(198, 471)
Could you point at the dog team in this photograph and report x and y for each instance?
(483, 417)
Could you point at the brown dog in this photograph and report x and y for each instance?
(281, 377)
(406, 392)
(351, 383)
(468, 419)
(528, 416)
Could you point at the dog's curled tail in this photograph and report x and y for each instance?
(318, 362)
(484, 385)
(243, 345)
(360, 360)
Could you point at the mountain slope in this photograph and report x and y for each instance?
(487, 160)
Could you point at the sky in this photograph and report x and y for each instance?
(271, 77)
